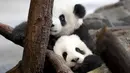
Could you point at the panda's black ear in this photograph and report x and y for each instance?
(79, 10)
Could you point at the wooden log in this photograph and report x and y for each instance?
(116, 57)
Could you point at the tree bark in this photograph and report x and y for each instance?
(116, 57)
(37, 36)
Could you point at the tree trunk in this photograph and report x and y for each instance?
(37, 36)
(116, 57)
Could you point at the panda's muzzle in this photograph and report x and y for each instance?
(75, 60)
(53, 31)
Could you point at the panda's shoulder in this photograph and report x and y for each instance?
(82, 31)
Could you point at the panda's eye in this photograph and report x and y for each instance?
(62, 19)
(80, 51)
(64, 54)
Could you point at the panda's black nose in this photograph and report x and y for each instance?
(75, 60)
(52, 25)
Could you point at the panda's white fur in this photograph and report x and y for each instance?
(65, 7)
(67, 44)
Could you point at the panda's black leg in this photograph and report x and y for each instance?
(6, 31)
(17, 39)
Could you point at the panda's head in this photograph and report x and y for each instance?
(66, 17)
(71, 49)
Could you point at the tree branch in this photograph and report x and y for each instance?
(16, 69)
(58, 62)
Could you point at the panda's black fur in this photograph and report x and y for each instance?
(17, 35)
(79, 10)
(84, 35)
(19, 30)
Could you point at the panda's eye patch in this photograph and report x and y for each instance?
(62, 19)
(80, 51)
(64, 54)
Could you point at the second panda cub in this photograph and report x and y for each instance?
(76, 54)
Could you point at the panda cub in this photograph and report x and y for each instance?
(76, 54)
(67, 16)
(67, 19)
(72, 49)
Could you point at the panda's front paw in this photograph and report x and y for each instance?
(90, 63)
